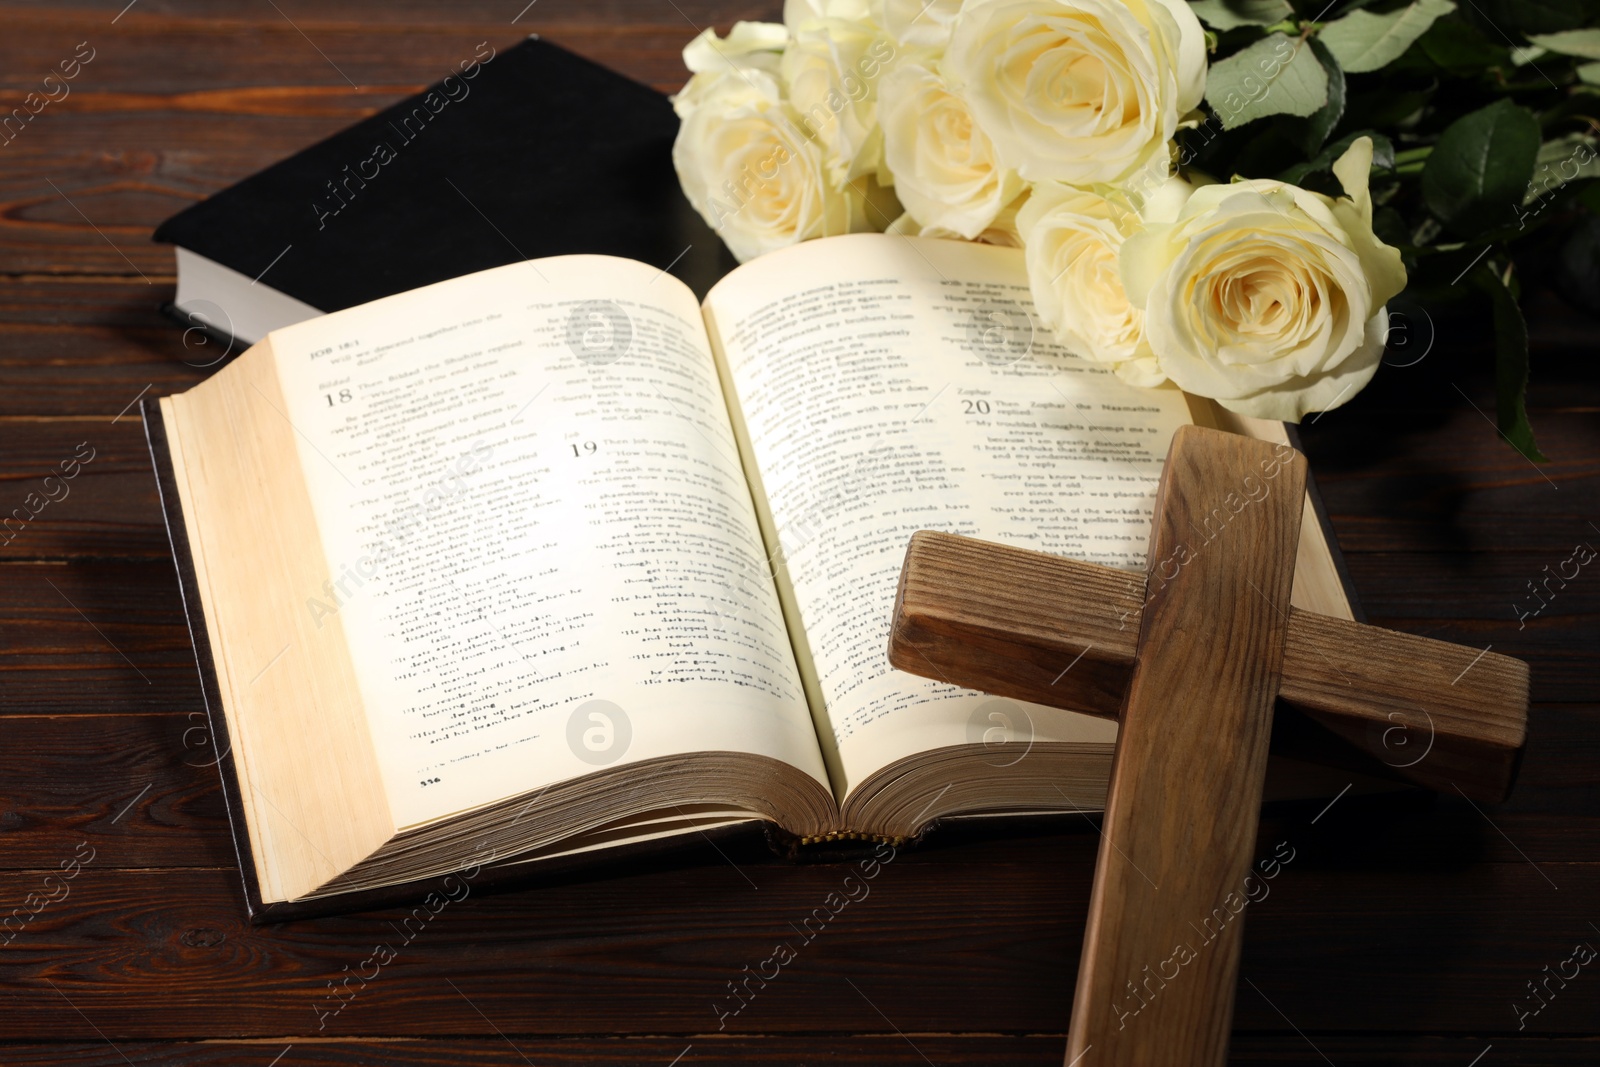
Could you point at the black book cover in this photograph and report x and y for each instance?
(524, 153)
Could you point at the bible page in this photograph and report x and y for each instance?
(886, 385)
(531, 502)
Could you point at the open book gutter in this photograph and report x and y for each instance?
(500, 573)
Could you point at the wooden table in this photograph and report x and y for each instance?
(1405, 930)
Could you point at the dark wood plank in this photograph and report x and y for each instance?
(141, 790)
(1381, 833)
(54, 661)
(1449, 484)
(888, 1050)
(1402, 909)
(108, 508)
(518, 1050)
(94, 638)
(408, 44)
(987, 947)
(1483, 585)
(80, 346)
(135, 141)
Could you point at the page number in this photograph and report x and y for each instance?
(342, 396)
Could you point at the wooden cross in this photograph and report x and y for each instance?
(1193, 658)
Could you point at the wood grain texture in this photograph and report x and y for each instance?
(108, 509)
(1401, 933)
(1191, 760)
(88, 346)
(140, 789)
(140, 137)
(1443, 481)
(888, 1050)
(131, 594)
(968, 940)
(92, 637)
(1064, 633)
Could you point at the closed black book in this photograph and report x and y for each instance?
(517, 154)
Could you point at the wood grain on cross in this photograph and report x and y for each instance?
(1193, 658)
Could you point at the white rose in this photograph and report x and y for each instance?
(750, 170)
(831, 68)
(749, 47)
(797, 13)
(1079, 91)
(945, 170)
(919, 23)
(1073, 239)
(747, 44)
(1001, 232)
(1266, 297)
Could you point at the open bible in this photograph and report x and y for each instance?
(551, 559)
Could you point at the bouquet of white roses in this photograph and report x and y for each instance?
(1199, 187)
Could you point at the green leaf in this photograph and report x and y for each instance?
(1387, 109)
(1480, 166)
(1510, 363)
(1231, 14)
(1585, 44)
(1562, 160)
(1500, 17)
(1276, 75)
(1362, 41)
(1322, 122)
(1390, 227)
(1589, 73)
(1462, 49)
